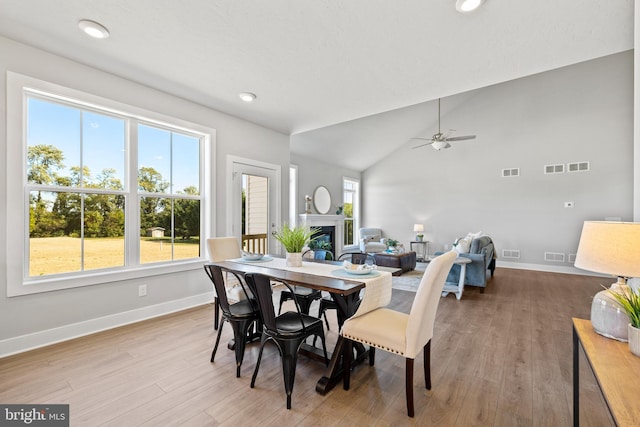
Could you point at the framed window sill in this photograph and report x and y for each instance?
(67, 281)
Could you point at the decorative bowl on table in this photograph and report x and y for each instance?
(358, 269)
(251, 257)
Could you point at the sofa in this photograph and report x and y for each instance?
(371, 240)
(481, 252)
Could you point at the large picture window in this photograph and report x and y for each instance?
(105, 190)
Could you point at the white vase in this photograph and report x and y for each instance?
(294, 259)
(634, 340)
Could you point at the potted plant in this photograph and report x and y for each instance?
(293, 240)
(319, 247)
(629, 300)
(419, 237)
(391, 244)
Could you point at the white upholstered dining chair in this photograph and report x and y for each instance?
(400, 333)
(220, 249)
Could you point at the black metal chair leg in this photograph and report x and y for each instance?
(240, 331)
(216, 319)
(289, 361)
(263, 340)
(215, 347)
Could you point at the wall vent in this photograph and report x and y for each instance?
(572, 258)
(510, 172)
(578, 167)
(554, 169)
(554, 256)
(511, 253)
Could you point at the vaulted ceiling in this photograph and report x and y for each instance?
(317, 66)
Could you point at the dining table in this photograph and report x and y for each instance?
(354, 295)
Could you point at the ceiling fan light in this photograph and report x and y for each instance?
(467, 5)
(439, 145)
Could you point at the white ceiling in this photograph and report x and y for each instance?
(317, 65)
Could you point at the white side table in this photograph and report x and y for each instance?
(458, 288)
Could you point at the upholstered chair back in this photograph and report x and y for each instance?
(222, 248)
(423, 311)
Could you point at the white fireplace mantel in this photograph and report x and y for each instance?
(337, 221)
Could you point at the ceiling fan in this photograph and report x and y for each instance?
(441, 140)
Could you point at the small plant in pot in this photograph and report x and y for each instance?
(317, 245)
(391, 244)
(629, 300)
(294, 239)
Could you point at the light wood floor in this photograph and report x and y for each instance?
(502, 358)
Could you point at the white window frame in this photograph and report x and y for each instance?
(356, 212)
(18, 282)
(293, 194)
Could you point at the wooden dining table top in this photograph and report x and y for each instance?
(334, 285)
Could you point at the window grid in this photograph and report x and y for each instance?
(84, 188)
(350, 210)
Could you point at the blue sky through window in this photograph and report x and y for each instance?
(101, 140)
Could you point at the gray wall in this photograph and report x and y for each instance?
(313, 173)
(573, 114)
(60, 314)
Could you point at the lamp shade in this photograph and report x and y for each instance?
(610, 248)
(418, 228)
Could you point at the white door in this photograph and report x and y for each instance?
(261, 184)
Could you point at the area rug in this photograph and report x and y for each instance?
(410, 280)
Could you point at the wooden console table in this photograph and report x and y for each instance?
(617, 373)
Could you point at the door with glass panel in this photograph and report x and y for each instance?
(254, 206)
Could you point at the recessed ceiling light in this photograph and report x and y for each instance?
(93, 29)
(247, 96)
(467, 5)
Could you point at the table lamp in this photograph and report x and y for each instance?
(418, 228)
(610, 248)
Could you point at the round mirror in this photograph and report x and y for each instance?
(322, 200)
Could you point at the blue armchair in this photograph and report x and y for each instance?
(481, 253)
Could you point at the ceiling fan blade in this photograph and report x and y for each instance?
(423, 139)
(460, 138)
(422, 145)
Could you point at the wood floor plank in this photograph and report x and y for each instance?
(501, 358)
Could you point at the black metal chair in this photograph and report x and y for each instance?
(288, 331)
(358, 258)
(241, 315)
(328, 303)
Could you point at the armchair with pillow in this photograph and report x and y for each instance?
(480, 250)
(371, 240)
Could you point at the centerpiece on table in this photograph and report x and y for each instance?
(294, 239)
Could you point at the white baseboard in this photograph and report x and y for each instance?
(39, 339)
(547, 268)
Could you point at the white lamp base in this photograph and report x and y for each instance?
(607, 316)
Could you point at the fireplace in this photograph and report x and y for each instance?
(332, 225)
(327, 234)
